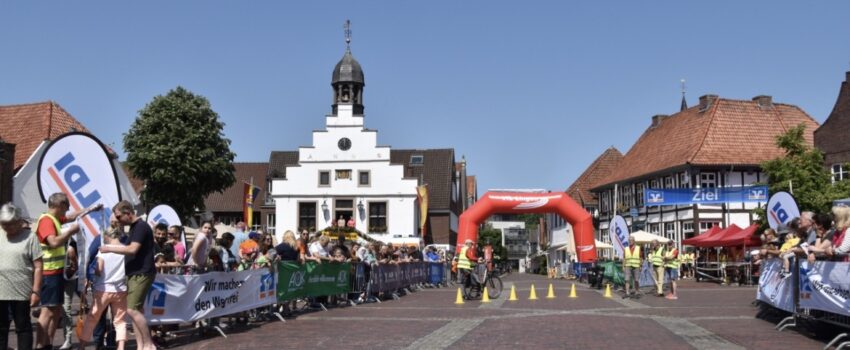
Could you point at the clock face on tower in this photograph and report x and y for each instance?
(344, 144)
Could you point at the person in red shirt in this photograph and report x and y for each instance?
(52, 239)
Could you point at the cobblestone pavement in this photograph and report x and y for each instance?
(706, 316)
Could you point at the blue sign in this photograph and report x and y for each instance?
(685, 196)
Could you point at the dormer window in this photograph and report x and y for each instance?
(417, 159)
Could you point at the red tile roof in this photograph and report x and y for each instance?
(728, 132)
(231, 198)
(27, 125)
(600, 168)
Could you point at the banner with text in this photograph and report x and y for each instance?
(388, 278)
(187, 298)
(311, 280)
(773, 288)
(824, 286)
(714, 195)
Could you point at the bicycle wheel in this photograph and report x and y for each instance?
(494, 287)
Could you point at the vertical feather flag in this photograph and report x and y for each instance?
(422, 194)
(250, 192)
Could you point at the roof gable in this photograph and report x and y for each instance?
(837, 125)
(27, 125)
(600, 168)
(728, 132)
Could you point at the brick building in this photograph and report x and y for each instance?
(718, 143)
(831, 137)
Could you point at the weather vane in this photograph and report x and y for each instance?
(683, 87)
(347, 27)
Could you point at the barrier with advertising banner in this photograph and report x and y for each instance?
(388, 278)
(312, 280)
(435, 272)
(187, 298)
(773, 288)
(825, 286)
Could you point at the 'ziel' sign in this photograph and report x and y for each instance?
(677, 196)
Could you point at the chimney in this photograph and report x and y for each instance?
(848, 77)
(706, 101)
(656, 119)
(763, 101)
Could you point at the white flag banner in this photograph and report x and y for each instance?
(78, 165)
(187, 298)
(825, 286)
(773, 288)
(618, 230)
(165, 214)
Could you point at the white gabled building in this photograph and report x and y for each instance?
(345, 173)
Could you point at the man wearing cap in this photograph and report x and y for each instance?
(656, 256)
(671, 268)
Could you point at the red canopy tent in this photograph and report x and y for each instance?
(718, 237)
(745, 237)
(714, 230)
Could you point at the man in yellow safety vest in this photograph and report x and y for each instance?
(466, 262)
(52, 238)
(631, 267)
(671, 267)
(656, 257)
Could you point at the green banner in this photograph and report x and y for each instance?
(311, 279)
(613, 271)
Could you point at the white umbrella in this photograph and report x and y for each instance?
(603, 245)
(643, 237)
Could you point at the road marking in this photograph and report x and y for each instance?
(697, 336)
(446, 335)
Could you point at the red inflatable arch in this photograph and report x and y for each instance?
(523, 202)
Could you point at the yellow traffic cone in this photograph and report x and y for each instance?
(608, 290)
(551, 294)
(459, 299)
(513, 294)
(573, 291)
(533, 295)
(486, 297)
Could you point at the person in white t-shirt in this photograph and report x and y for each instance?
(201, 247)
(319, 249)
(110, 289)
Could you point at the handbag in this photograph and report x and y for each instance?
(83, 312)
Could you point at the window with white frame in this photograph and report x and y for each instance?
(687, 226)
(627, 196)
(668, 182)
(270, 223)
(706, 225)
(669, 229)
(653, 183)
(839, 172)
(654, 228)
(684, 180)
(639, 194)
(707, 180)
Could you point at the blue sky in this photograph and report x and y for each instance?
(530, 92)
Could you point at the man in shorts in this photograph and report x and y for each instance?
(52, 239)
(139, 268)
(631, 267)
(671, 268)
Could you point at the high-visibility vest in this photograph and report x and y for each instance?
(53, 258)
(462, 261)
(632, 258)
(691, 258)
(657, 258)
(674, 263)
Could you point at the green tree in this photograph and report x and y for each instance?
(802, 168)
(493, 236)
(177, 147)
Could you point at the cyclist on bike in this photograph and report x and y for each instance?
(466, 262)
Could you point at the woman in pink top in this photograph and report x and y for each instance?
(175, 237)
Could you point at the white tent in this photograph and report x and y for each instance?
(603, 245)
(643, 237)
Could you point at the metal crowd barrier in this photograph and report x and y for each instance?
(806, 314)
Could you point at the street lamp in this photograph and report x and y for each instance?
(325, 205)
(360, 206)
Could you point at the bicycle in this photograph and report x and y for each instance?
(472, 288)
